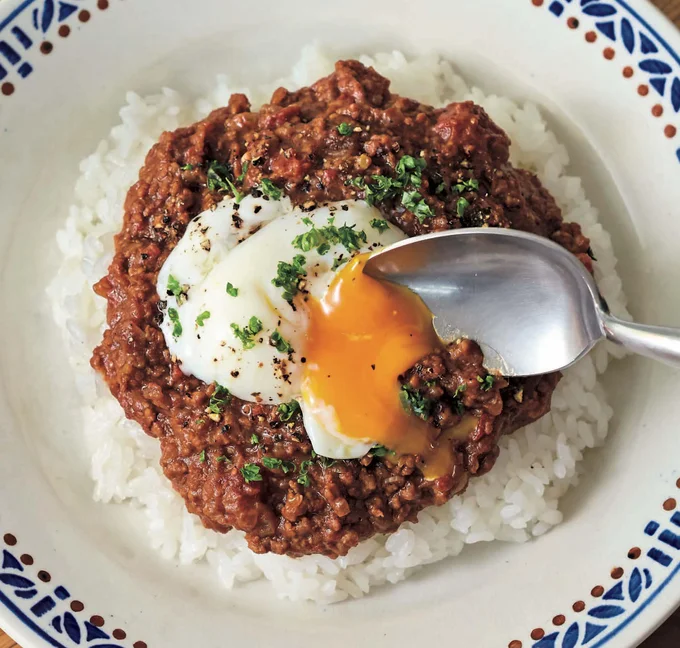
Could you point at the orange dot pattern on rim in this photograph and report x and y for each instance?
(670, 504)
(572, 23)
(628, 72)
(670, 131)
(579, 606)
(657, 110)
(537, 633)
(597, 591)
(608, 53)
(591, 36)
(515, 643)
(7, 89)
(617, 573)
(635, 553)
(559, 620)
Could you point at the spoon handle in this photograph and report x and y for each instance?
(656, 342)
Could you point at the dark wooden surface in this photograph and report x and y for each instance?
(668, 636)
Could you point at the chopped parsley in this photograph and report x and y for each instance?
(251, 472)
(378, 451)
(219, 399)
(254, 439)
(288, 410)
(219, 178)
(201, 457)
(288, 276)
(174, 287)
(277, 464)
(187, 167)
(232, 290)
(244, 170)
(409, 172)
(345, 129)
(466, 185)
(414, 202)
(413, 401)
(457, 404)
(323, 237)
(270, 190)
(380, 224)
(338, 261)
(303, 477)
(200, 320)
(326, 462)
(222, 458)
(486, 383)
(461, 206)
(177, 325)
(280, 343)
(248, 332)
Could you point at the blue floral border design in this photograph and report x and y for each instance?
(622, 24)
(627, 598)
(29, 23)
(45, 609)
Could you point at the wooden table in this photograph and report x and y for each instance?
(668, 636)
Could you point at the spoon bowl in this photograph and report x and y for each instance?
(531, 305)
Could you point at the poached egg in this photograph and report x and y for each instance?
(270, 301)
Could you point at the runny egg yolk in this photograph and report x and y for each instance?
(362, 336)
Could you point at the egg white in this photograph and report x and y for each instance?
(243, 245)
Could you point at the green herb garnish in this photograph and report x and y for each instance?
(378, 451)
(231, 290)
(248, 332)
(461, 206)
(219, 178)
(221, 397)
(251, 472)
(338, 261)
(326, 462)
(222, 458)
(187, 167)
(277, 464)
(413, 401)
(288, 276)
(243, 171)
(177, 325)
(288, 410)
(323, 237)
(414, 202)
(466, 185)
(380, 224)
(487, 382)
(201, 457)
(254, 439)
(200, 320)
(282, 345)
(270, 190)
(303, 477)
(345, 129)
(174, 287)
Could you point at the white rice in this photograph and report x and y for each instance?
(518, 500)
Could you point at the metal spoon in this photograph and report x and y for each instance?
(532, 306)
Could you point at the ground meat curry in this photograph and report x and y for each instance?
(324, 143)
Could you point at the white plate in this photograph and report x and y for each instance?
(55, 106)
